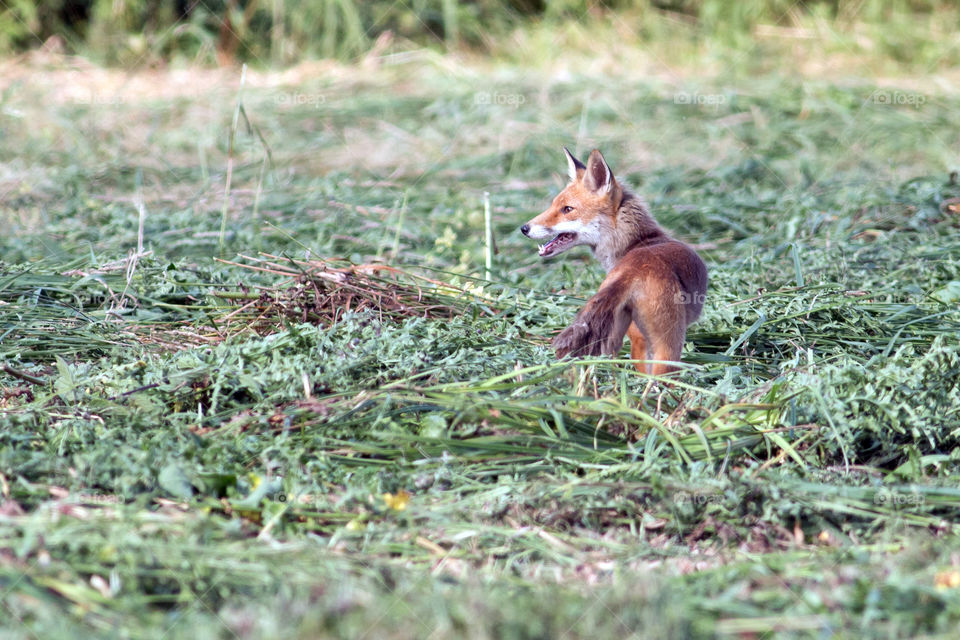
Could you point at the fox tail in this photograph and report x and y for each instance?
(599, 328)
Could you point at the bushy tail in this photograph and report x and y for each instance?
(598, 328)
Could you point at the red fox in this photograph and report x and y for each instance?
(655, 285)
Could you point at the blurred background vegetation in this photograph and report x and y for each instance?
(279, 32)
(165, 371)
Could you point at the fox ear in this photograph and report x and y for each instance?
(574, 166)
(598, 176)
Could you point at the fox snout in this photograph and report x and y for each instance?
(566, 233)
(537, 231)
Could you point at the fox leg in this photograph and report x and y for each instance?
(664, 325)
(638, 348)
(667, 336)
(669, 349)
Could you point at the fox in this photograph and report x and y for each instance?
(655, 285)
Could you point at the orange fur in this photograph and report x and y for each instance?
(655, 285)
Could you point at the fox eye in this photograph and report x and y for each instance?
(566, 209)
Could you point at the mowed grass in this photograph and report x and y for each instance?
(290, 403)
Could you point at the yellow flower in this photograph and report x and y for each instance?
(355, 525)
(397, 502)
(947, 579)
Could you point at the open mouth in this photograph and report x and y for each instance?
(561, 242)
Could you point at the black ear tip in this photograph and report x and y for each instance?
(570, 157)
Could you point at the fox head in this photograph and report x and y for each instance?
(584, 213)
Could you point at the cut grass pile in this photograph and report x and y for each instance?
(325, 421)
(317, 292)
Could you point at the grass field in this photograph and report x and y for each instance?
(257, 381)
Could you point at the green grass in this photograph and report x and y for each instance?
(182, 455)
